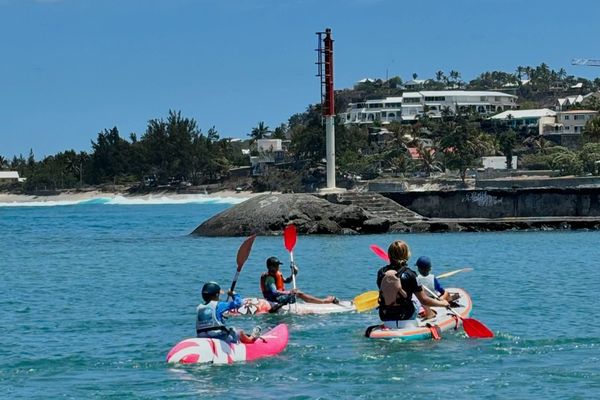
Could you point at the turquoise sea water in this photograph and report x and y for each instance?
(92, 297)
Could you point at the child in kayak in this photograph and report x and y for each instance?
(429, 280)
(272, 286)
(399, 291)
(209, 316)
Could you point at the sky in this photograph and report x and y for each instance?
(71, 68)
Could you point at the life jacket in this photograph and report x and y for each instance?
(401, 309)
(279, 283)
(207, 324)
(427, 281)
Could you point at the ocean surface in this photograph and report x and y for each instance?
(94, 294)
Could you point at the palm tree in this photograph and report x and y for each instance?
(259, 132)
(3, 163)
(439, 76)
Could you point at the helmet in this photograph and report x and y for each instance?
(209, 290)
(273, 262)
(424, 263)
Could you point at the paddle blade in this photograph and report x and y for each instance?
(289, 237)
(450, 273)
(475, 329)
(380, 252)
(366, 301)
(244, 252)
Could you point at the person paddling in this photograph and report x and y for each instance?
(272, 286)
(429, 280)
(399, 292)
(209, 316)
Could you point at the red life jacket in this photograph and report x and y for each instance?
(279, 284)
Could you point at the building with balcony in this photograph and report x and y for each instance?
(573, 122)
(413, 105)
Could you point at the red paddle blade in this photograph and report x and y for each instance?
(289, 237)
(244, 251)
(475, 329)
(380, 252)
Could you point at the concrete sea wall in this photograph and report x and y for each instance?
(502, 203)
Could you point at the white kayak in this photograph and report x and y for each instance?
(216, 351)
(256, 306)
(423, 329)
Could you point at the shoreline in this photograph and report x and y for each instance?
(74, 196)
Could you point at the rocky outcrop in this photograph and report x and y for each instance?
(270, 213)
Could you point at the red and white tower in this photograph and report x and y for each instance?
(325, 72)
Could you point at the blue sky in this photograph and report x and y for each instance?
(71, 68)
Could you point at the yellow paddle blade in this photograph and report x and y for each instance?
(366, 301)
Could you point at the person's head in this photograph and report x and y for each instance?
(424, 265)
(210, 291)
(399, 253)
(273, 264)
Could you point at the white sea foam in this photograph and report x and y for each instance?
(130, 200)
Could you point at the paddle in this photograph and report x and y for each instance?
(380, 252)
(450, 273)
(473, 328)
(289, 240)
(242, 256)
(366, 301)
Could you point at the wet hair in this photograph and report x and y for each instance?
(399, 253)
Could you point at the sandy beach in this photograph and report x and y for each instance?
(72, 197)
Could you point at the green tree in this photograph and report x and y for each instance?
(110, 157)
(567, 163)
(591, 132)
(259, 132)
(590, 158)
(507, 141)
(463, 145)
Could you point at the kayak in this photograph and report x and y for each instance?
(216, 351)
(256, 306)
(426, 329)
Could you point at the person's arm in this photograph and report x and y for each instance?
(430, 301)
(437, 286)
(224, 306)
(291, 277)
(271, 287)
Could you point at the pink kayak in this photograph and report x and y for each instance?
(203, 350)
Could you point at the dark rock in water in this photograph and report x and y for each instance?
(268, 214)
(376, 225)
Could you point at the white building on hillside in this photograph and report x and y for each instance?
(542, 119)
(412, 105)
(574, 121)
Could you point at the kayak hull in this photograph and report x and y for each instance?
(425, 329)
(215, 351)
(256, 306)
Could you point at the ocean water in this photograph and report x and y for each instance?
(93, 295)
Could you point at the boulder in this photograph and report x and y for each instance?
(268, 214)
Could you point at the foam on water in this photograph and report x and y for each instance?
(133, 200)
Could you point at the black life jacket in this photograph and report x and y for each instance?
(402, 309)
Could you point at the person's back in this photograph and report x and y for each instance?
(396, 295)
(209, 316)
